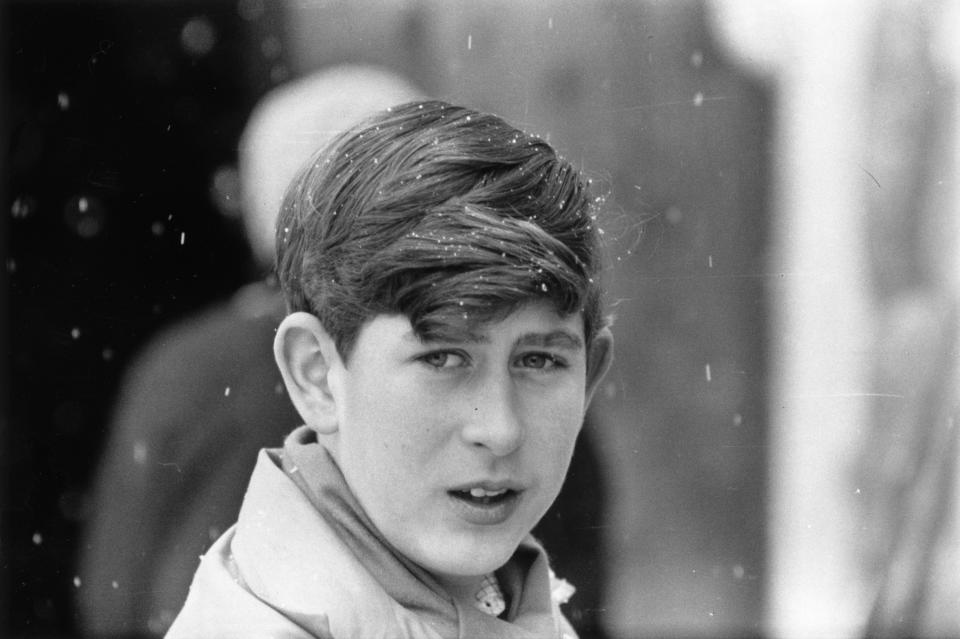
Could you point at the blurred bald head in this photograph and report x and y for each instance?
(291, 122)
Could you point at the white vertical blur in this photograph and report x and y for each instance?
(946, 52)
(822, 320)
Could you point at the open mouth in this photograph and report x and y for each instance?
(484, 497)
(485, 505)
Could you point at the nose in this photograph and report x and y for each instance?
(493, 421)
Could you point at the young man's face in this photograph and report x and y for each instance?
(456, 449)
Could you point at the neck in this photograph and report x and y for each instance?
(462, 589)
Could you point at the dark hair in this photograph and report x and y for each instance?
(448, 216)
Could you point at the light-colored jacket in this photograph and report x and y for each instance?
(303, 561)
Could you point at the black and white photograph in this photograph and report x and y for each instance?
(440, 319)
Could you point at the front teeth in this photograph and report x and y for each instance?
(482, 492)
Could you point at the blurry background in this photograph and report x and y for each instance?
(775, 451)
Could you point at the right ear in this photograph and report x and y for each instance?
(306, 354)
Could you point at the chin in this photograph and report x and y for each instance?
(473, 557)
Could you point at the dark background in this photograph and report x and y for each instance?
(113, 130)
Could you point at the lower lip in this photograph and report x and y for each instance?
(481, 514)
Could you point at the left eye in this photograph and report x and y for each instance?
(538, 361)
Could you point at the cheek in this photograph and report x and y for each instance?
(567, 401)
(556, 420)
(386, 419)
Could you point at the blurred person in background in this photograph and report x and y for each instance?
(205, 395)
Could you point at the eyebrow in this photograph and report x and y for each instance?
(559, 338)
(554, 339)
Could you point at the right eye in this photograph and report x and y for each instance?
(443, 359)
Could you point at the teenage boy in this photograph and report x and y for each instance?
(444, 337)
